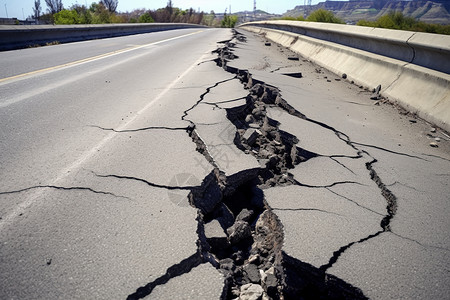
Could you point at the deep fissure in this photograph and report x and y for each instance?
(238, 233)
(244, 118)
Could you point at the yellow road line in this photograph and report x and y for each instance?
(97, 57)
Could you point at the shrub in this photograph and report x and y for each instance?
(67, 17)
(396, 20)
(146, 18)
(299, 18)
(229, 21)
(324, 16)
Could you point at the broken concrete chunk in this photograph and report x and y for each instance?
(270, 281)
(238, 257)
(244, 215)
(239, 232)
(251, 291)
(377, 90)
(376, 93)
(259, 111)
(215, 235)
(224, 216)
(227, 264)
(213, 229)
(254, 259)
(251, 135)
(263, 276)
(251, 273)
(250, 118)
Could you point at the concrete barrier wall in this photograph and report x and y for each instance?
(412, 68)
(14, 36)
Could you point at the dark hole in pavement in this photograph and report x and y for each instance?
(295, 75)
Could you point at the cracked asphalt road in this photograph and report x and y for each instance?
(172, 172)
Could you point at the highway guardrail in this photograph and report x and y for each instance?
(411, 67)
(22, 36)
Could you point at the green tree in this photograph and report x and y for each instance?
(100, 14)
(324, 16)
(84, 13)
(229, 21)
(65, 17)
(146, 18)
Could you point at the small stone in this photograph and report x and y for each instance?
(239, 232)
(235, 292)
(244, 215)
(268, 44)
(251, 291)
(263, 153)
(276, 143)
(328, 80)
(252, 273)
(434, 144)
(437, 139)
(227, 264)
(433, 129)
(376, 97)
(254, 259)
(250, 118)
(344, 76)
(251, 135)
(259, 111)
(293, 58)
(271, 284)
(377, 89)
(263, 275)
(238, 257)
(413, 121)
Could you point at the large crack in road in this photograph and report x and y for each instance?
(238, 232)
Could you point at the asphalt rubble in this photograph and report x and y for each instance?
(238, 232)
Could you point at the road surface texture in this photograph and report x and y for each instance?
(201, 164)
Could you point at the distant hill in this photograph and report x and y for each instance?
(435, 11)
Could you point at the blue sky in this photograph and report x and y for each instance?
(14, 7)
